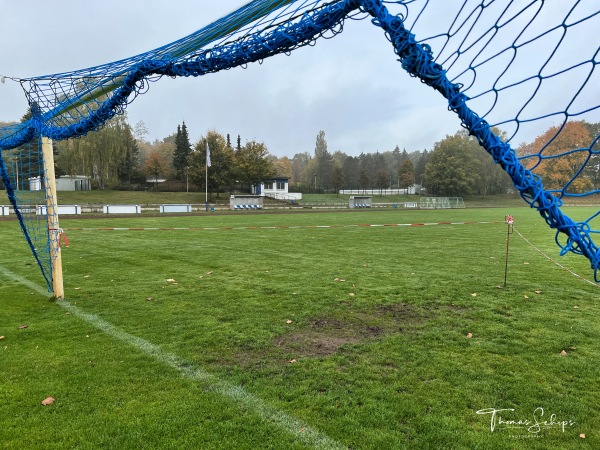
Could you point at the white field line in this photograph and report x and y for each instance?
(245, 400)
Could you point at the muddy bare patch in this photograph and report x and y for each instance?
(324, 335)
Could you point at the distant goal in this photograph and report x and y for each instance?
(441, 203)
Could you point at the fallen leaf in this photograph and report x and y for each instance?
(469, 335)
(473, 294)
(538, 292)
(288, 321)
(150, 299)
(48, 401)
(582, 436)
(526, 263)
(86, 276)
(575, 307)
(77, 288)
(563, 353)
(2, 337)
(170, 280)
(211, 272)
(365, 265)
(351, 294)
(526, 296)
(22, 327)
(292, 361)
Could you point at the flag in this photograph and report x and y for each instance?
(207, 156)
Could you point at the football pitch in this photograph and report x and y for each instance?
(365, 330)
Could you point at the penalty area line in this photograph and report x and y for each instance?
(244, 399)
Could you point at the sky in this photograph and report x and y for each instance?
(352, 86)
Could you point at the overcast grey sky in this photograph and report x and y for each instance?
(352, 87)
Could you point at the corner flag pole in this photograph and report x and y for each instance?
(207, 165)
(510, 223)
(52, 218)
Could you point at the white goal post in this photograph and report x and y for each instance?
(441, 203)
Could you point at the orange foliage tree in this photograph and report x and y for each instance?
(560, 153)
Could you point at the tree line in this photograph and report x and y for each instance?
(457, 165)
(120, 157)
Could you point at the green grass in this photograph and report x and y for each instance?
(382, 358)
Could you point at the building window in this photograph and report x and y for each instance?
(281, 185)
(269, 185)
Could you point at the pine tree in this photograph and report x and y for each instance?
(129, 165)
(183, 149)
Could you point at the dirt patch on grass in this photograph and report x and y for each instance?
(324, 335)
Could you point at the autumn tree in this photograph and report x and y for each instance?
(281, 166)
(155, 166)
(592, 169)
(559, 156)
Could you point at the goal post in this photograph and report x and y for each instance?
(52, 218)
(441, 203)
